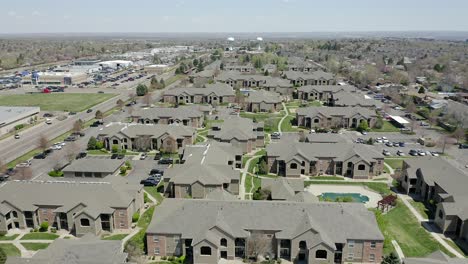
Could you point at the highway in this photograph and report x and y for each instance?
(11, 148)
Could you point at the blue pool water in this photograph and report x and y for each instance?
(357, 197)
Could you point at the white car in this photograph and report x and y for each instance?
(378, 141)
(385, 140)
(48, 121)
(435, 154)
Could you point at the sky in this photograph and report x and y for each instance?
(63, 16)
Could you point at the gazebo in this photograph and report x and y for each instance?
(386, 203)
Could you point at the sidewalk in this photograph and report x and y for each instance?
(426, 223)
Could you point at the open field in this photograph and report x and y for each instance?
(56, 102)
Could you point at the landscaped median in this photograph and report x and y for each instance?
(35, 246)
(39, 236)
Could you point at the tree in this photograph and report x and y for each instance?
(99, 115)
(379, 122)
(71, 151)
(262, 167)
(148, 99)
(120, 104)
(266, 73)
(445, 142)
(115, 149)
(44, 226)
(141, 90)
(162, 83)
(142, 143)
(200, 67)
(154, 83)
(43, 143)
(421, 90)
(363, 126)
(3, 256)
(92, 143)
(258, 245)
(411, 107)
(77, 126)
(391, 259)
(459, 134)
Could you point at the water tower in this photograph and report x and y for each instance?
(259, 40)
(230, 42)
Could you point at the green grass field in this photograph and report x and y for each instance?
(394, 163)
(10, 250)
(35, 246)
(387, 127)
(400, 225)
(115, 237)
(56, 102)
(12, 237)
(152, 190)
(39, 236)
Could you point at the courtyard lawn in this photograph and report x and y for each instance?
(379, 187)
(257, 182)
(386, 127)
(10, 250)
(153, 191)
(35, 246)
(422, 209)
(400, 225)
(12, 237)
(139, 239)
(56, 101)
(327, 178)
(39, 236)
(115, 237)
(286, 126)
(394, 163)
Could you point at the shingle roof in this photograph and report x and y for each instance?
(154, 130)
(98, 197)
(176, 216)
(263, 96)
(239, 128)
(335, 111)
(86, 250)
(326, 88)
(221, 195)
(316, 75)
(94, 165)
(283, 188)
(181, 112)
(206, 174)
(312, 151)
(219, 89)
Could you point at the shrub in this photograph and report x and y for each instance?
(53, 230)
(99, 145)
(115, 149)
(92, 143)
(141, 90)
(135, 217)
(170, 258)
(123, 170)
(163, 258)
(363, 126)
(145, 198)
(128, 164)
(55, 173)
(44, 227)
(20, 126)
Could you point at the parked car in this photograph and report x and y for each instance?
(421, 153)
(143, 156)
(24, 164)
(400, 153)
(40, 156)
(70, 138)
(157, 156)
(72, 113)
(413, 152)
(435, 153)
(114, 156)
(48, 115)
(17, 136)
(401, 144)
(48, 121)
(120, 156)
(166, 161)
(78, 133)
(275, 135)
(89, 110)
(4, 177)
(81, 155)
(396, 144)
(463, 146)
(386, 152)
(389, 144)
(156, 171)
(10, 171)
(150, 181)
(405, 129)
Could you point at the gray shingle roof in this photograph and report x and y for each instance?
(331, 220)
(94, 165)
(218, 89)
(207, 174)
(263, 96)
(312, 151)
(283, 188)
(326, 88)
(316, 75)
(154, 130)
(98, 197)
(335, 111)
(221, 195)
(239, 128)
(86, 250)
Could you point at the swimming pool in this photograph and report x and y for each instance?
(357, 197)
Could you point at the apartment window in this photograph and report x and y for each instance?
(373, 244)
(441, 214)
(176, 240)
(350, 256)
(361, 167)
(156, 250)
(293, 166)
(205, 251)
(78, 174)
(223, 242)
(372, 257)
(351, 244)
(316, 121)
(84, 222)
(15, 214)
(321, 254)
(98, 175)
(155, 238)
(88, 174)
(122, 224)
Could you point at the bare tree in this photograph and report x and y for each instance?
(432, 118)
(258, 245)
(3, 167)
(77, 126)
(411, 107)
(43, 142)
(142, 143)
(459, 134)
(302, 136)
(71, 151)
(444, 142)
(99, 115)
(120, 103)
(57, 160)
(147, 99)
(132, 96)
(24, 173)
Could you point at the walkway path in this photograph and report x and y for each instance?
(286, 113)
(245, 171)
(426, 223)
(398, 250)
(125, 239)
(390, 169)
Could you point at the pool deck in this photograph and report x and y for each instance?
(330, 188)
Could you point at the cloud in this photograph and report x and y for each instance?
(12, 13)
(36, 13)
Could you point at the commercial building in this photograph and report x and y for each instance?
(11, 116)
(115, 64)
(56, 78)
(156, 68)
